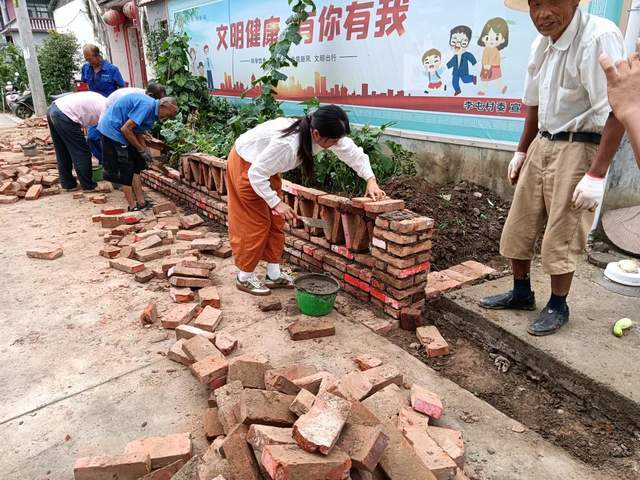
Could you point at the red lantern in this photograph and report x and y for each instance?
(113, 18)
(130, 10)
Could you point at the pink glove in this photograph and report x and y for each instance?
(588, 192)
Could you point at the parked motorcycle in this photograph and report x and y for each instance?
(11, 95)
(24, 106)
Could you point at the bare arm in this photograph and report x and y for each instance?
(131, 136)
(632, 124)
(611, 137)
(530, 129)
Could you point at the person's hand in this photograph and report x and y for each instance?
(285, 211)
(146, 155)
(515, 165)
(588, 193)
(623, 81)
(373, 190)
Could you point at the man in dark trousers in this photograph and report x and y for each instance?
(559, 168)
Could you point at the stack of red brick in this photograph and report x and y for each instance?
(27, 177)
(378, 251)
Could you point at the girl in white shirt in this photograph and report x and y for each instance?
(256, 213)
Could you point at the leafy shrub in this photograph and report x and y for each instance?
(59, 59)
(12, 62)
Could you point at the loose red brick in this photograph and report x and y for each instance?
(364, 444)
(144, 276)
(367, 362)
(302, 403)
(430, 453)
(352, 386)
(139, 236)
(126, 265)
(409, 418)
(126, 252)
(270, 305)
(424, 401)
(225, 342)
(383, 206)
(184, 271)
(153, 253)
(212, 426)
(386, 403)
(191, 221)
(122, 230)
(169, 262)
(399, 460)
(209, 369)
(181, 295)
(209, 296)
(282, 379)
(189, 331)
(228, 401)
(433, 342)
(148, 242)
(359, 202)
(308, 328)
(382, 376)
(192, 282)
(163, 450)
(450, 441)
(439, 283)
(149, 315)
(130, 466)
(207, 244)
(379, 325)
(34, 192)
(48, 180)
(237, 452)
(198, 348)
(409, 272)
(410, 318)
(109, 251)
(261, 436)
(50, 252)
(112, 210)
(479, 269)
(176, 353)
(98, 199)
(266, 408)
(289, 462)
(249, 371)
(165, 207)
(165, 473)
(189, 235)
(319, 429)
(179, 315)
(7, 199)
(192, 262)
(208, 319)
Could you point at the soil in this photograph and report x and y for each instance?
(468, 219)
(555, 414)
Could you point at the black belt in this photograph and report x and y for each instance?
(582, 137)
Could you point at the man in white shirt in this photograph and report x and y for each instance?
(67, 116)
(559, 168)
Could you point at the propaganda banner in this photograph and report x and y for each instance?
(443, 67)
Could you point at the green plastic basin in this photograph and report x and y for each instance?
(316, 293)
(97, 173)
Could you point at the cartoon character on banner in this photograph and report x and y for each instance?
(433, 70)
(192, 59)
(201, 69)
(459, 40)
(207, 60)
(494, 38)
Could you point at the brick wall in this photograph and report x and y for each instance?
(378, 251)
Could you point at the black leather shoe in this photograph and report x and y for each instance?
(505, 301)
(549, 322)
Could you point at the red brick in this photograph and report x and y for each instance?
(359, 202)
(189, 331)
(343, 251)
(181, 295)
(424, 401)
(399, 461)
(389, 259)
(334, 232)
(430, 453)
(176, 353)
(153, 253)
(210, 369)
(282, 379)
(34, 192)
(179, 315)
(434, 343)
(226, 342)
(109, 251)
(439, 283)
(212, 426)
(209, 296)
(320, 241)
(126, 265)
(356, 292)
(410, 318)
(394, 313)
(407, 221)
(123, 467)
(396, 238)
(308, 328)
(266, 408)
(184, 271)
(366, 361)
(409, 418)
(384, 206)
(399, 298)
(7, 199)
(148, 242)
(333, 201)
(198, 348)
(365, 259)
(149, 315)
(50, 252)
(382, 376)
(364, 444)
(248, 370)
(144, 276)
(302, 403)
(165, 473)
(189, 235)
(163, 450)
(364, 286)
(192, 282)
(479, 269)
(319, 429)
(409, 272)
(356, 232)
(112, 211)
(309, 193)
(336, 262)
(392, 281)
(450, 441)
(237, 452)
(352, 386)
(208, 319)
(190, 221)
(165, 207)
(289, 462)
(312, 261)
(207, 244)
(408, 250)
(261, 436)
(98, 199)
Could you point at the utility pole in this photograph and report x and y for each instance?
(30, 58)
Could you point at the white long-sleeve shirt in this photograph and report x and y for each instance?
(270, 154)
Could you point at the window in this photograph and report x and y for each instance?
(38, 9)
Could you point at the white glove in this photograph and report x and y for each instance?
(588, 193)
(515, 165)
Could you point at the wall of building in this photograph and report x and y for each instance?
(38, 38)
(74, 18)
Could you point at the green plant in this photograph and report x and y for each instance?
(154, 40)
(59, 59)
(12, 62)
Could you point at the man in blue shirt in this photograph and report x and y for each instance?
(459, 63)
(101, 76)
(124, 152)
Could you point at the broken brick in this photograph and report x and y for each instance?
(410, 318)
(165, 207)
(382, 376)
(209, 296)
(312, 382)
(387, 403)
(192, 282)
(130, 466)
(189, 331)
(179, 315)
(303, 402)
(266, 408)
(249, 371)
(126, 265)
(478, 269)
(366, 362)
(237, 452)
(289, 462)
(209, 369)
(439, 283)
(109, 251)
(212, 426)
(149, 315)
(34, 192)
(260, 436)
(112, 210)
(408, 418)
(191, 221)
(450, 441)
(319, 429)
(430, 453)
(365, 445)
(208, 319)
(282, 379)
(206, 244)
(163, 450)
(352, 386)
(45, 253)
(198, 348)
(183, 271)
(176, 353)
(181, 295)
(424, 401)
(189, 235)
(308, 328)
(165, 473)
(144, 276)
(146, 243)
(226, 342)
(270, 305)
(399, 460)
(433, 342)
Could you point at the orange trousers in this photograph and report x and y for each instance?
(254, 232)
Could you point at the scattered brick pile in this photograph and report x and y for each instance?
(457, 276)
(27, 177)
(378, 251)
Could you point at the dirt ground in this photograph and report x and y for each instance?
(469, 219)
